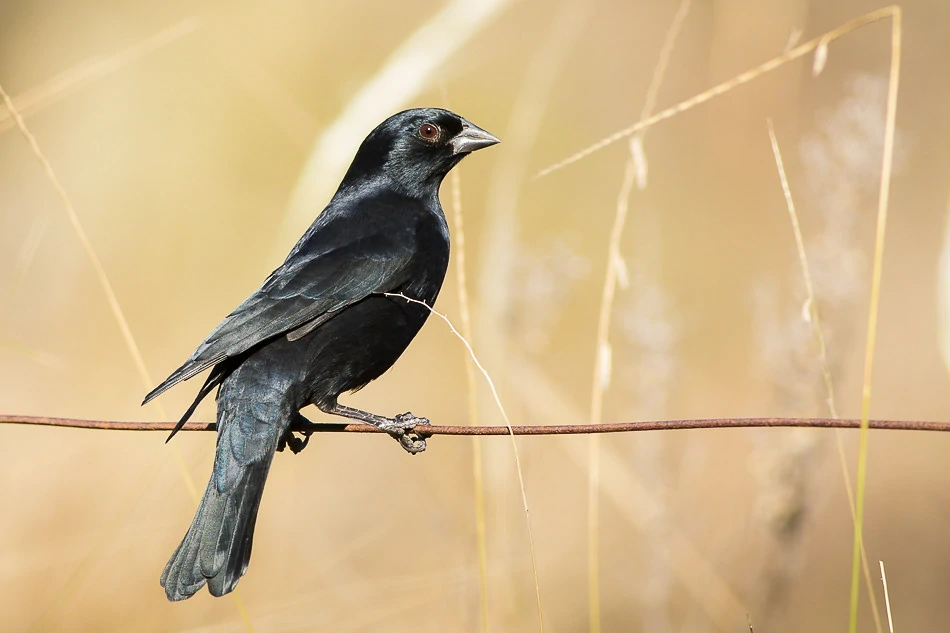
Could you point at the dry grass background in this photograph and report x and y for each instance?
(181, 157)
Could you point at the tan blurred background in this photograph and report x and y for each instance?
(180, 131)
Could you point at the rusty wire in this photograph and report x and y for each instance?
(554, 429)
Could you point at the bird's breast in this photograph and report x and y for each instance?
(430, 260)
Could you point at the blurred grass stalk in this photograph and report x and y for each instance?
(406, 72)
(632, 499)
(720, 89)
(635, 171)
(65, 83)
(880, 233)
(50, 92)
(511, 434)
(943, 293)
(813, 317)
(124, 329)
(818, 44)
(403, 76)
(500, 238)
(478, 477)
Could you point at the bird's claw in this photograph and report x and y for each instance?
(402, 428)
(291, 441)
(294, 443)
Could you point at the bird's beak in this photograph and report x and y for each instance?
(472, 138)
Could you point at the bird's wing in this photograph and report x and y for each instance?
(305, 288)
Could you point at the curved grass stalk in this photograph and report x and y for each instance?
(114, 306)
(815, 320)
(514, 444)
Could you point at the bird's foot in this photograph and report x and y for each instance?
(402, 428)
(301, 425)
(294, 443)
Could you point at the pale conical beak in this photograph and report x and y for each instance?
(472, 138)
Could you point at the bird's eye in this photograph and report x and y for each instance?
(429, 132)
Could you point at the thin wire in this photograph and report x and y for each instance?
(548, 429)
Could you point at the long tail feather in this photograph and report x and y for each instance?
(217, 548)
(215, 378)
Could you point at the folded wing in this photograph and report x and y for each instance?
(307, 288)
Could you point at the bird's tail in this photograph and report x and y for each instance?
(217, 547)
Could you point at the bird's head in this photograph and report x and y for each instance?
(414, 150)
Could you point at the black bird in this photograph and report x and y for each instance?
(319, 326)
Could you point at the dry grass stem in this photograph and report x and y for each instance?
(874, 304)
(894, 13)
(27, 252)
(815, 321)
(114, 306)
(84, 240)
(514, 445)
(812, 307)
(51, 91)
(943, 292)
(472, 388)
(874, 16)
(887, 598)
(633, 500)
(669, 42)
(501, 222)
(601, 377)
(499, 236)
(635, 171)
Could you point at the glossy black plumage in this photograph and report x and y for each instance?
(320, 326)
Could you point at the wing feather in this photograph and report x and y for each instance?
(305, 291)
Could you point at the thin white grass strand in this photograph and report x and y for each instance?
(887, 598)
(810, 307)
(514, 444)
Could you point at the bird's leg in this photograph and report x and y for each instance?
(298, 424)
(399, 427)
